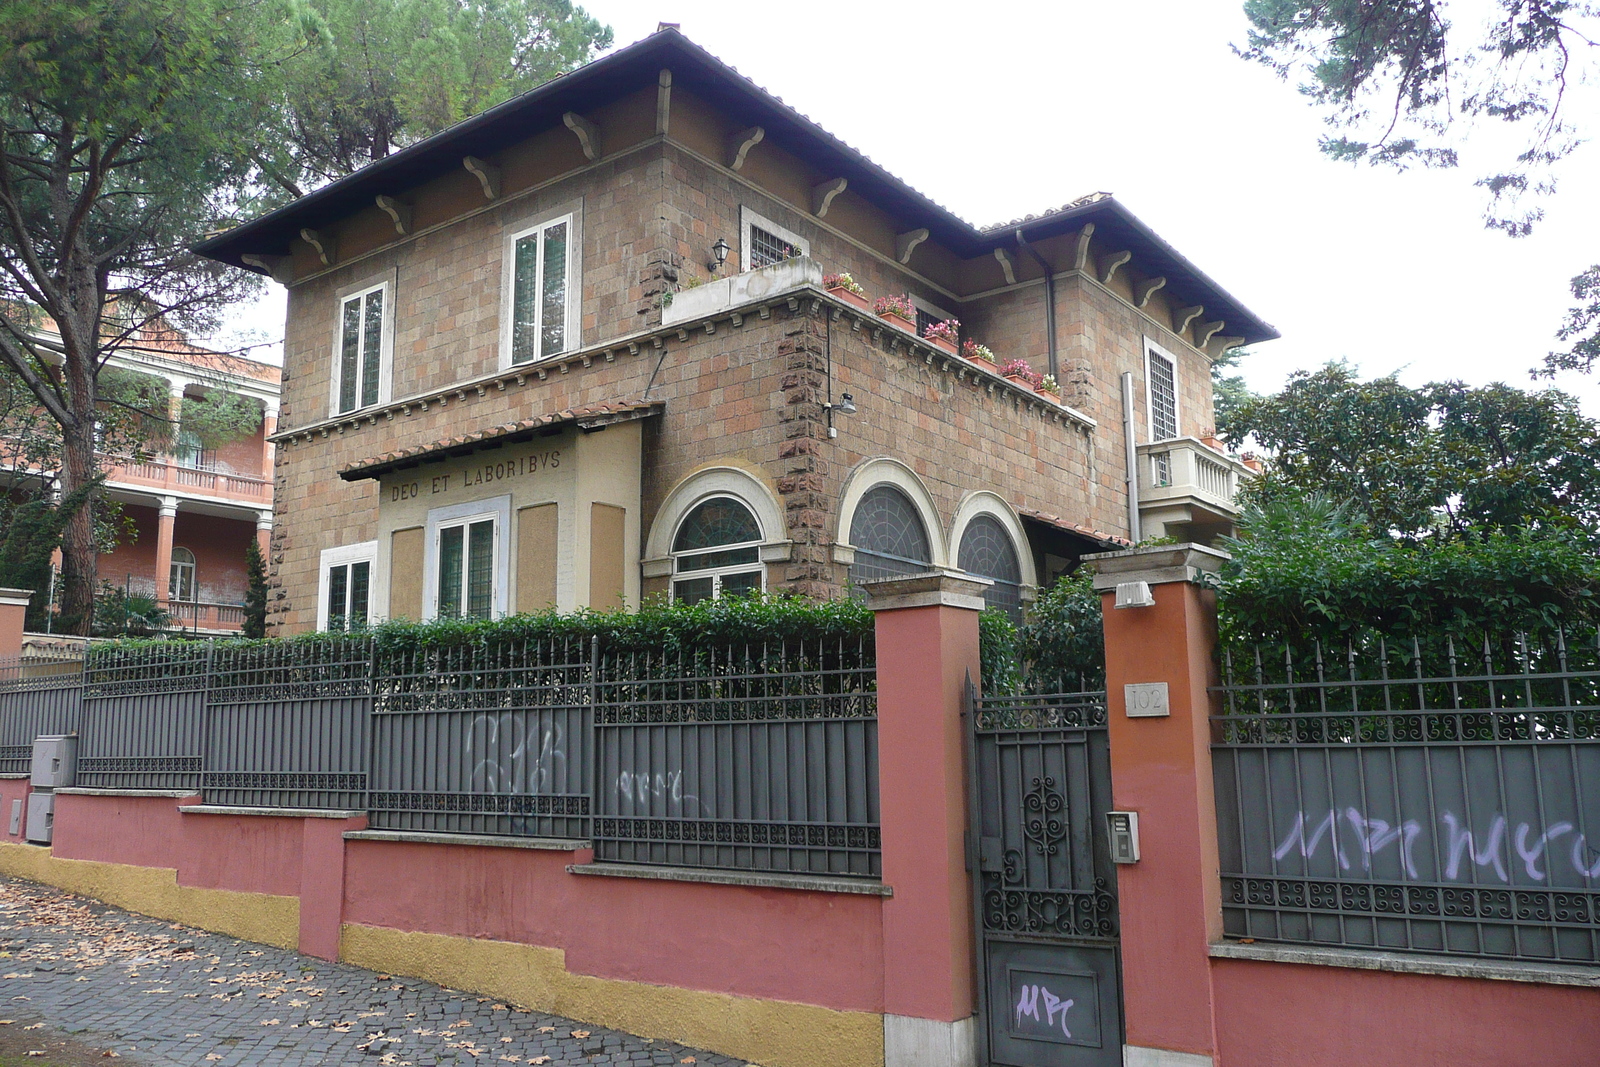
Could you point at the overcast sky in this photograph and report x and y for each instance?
(1145, 99)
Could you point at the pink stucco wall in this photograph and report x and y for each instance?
(1269, 1014)
(815, 948)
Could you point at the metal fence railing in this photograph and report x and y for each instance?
(749, 757)
(38, 696)
(1432, 797)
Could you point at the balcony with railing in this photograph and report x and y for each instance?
(1188, 489)
(178, 477)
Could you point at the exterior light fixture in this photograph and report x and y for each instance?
(720, 253)
(845, 406)
(1134, 595)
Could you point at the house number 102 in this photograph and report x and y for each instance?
(1146, 700)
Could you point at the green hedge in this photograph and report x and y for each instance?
(754, 620)
(1059, 648)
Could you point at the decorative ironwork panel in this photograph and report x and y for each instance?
(1042, 784)
(1430, 796)
(144, 738)
(751, 758)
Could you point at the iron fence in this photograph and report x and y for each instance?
(38, 696)
(754, 758)
(1438, 796)
(486, 739)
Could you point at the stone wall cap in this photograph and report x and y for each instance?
(1156, 564)
(936, 588)
(15, 596)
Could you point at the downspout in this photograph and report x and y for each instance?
(1049, 302)
(1134, 533)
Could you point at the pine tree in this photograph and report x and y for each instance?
(255, 597)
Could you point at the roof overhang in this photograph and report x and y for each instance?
(1100, 542)
(638, 66)
(589, 417)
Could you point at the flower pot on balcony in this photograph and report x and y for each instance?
(896, 319)
(1052, 395)
(941, 344)
(851, 298)
(1020, 381)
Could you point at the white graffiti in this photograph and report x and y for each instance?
(1460, 848)
(1028, 1005)
(644, 786)
(499, 748)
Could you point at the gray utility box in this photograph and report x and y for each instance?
(55, 762)
(41, 817)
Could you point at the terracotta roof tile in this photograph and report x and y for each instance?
(607, 411)
(1110, 540)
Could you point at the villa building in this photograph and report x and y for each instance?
(579, 349)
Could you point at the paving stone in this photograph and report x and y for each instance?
(169, 996)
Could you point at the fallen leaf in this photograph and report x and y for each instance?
(687, 1059)
(35, 1026)
(538, 1059)
(111, 1054)
(581, 1034)
(213, 1056)
(547, 1029)
(270, 1022)
(36, 1052)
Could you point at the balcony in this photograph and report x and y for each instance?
(175, 477)
(1187, 490)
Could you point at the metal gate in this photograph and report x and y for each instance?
(1044, 888)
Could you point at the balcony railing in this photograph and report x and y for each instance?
(1185, 481)
(164, 475)
(204, 615)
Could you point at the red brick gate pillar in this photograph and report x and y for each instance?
(1159, 667)
(927, 644)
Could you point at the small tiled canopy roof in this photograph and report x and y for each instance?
(589, 417)
(1108, 541)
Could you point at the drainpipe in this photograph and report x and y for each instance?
(1049, 302)
(1134, 533)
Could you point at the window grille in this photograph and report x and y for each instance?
(768, 248)
(986, 550)
(888, 537)
(466, 570)
(1163, 398)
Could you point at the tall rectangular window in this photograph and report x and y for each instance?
(344, 596)
(1161, 379)
(466, 569)
(361, 342)
(541, 286)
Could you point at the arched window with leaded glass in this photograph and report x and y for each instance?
(889, 537)
(716, 551)
(987, 550)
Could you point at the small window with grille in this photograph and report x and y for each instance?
(1161, 384)
(765, 242)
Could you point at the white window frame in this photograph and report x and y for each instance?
(748, 218)
(1151, 348)
(173, 566)
(572, 215)
(716, 574)
(385, 345)
(360, 552)
(497, 508)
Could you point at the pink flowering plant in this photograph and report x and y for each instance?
(842, 281)
(974, 351)
(948, 330)
(896, 305)
(1019, 368)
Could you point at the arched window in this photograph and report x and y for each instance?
(716, 551)
(180, 581)
(987, 551)
(888, 536)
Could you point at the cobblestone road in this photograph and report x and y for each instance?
(162, 994)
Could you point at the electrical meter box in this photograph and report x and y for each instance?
(55, 761)
(41, 817)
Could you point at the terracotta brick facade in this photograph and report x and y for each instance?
(748, 387)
